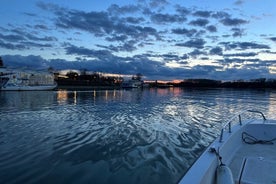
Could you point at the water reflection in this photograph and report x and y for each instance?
(26, 100)
(64, 96)
(272, 105)
(114, 136)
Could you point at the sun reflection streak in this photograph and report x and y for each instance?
(62, 96)
(75, 97)
(271, 106)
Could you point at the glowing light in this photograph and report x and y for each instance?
(173, 64)
(62, 96)
(272, 69)
(75, 97)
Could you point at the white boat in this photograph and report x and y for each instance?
(132, 83)
(244, 153)
(15, 80)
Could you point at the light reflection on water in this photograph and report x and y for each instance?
(114, 136)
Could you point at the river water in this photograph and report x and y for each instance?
(114, 136)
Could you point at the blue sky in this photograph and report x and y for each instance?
(161, 39)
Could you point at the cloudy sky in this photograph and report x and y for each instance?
(160, 39)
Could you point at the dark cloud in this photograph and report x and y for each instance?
(22, 40)
(186, 32)
(199, 22)
(142, 64)
(102, 24)
(204, 58)
(160, 18)
(134, 20)
(243, 73)
(205, 14)
(226, 36)
(81, 51)
(118, 38)
(267, 51)
(183, 11)
(221, 15)
(239, 2)
(196, 52)
(12, 37)
(45, 38)
(175, 57)
(237, 32)
(247, 68)
(158, 3)
(194, 43)
(36, 44)
(243, 61)
(125, 47)
(213, 38)
(11, 46)
(98, 23)
(184, 57)
(3, 29)
(200, 33)
(211, 28)
(107, 56)
(50, 7)
(131, 27)
(233, 21)
(205, 71)
(104, 61)
(32, 36)
(272, 39)
(243, 45)
(251, 45)
(153, 4)
(216, 51)
(30, 14)
(115, 9)
(243, 54)
(41, 26)
(32, 62)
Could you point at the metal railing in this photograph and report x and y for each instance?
(229, 123)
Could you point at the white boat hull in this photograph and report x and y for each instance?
(16, 80)
(233, 149)
(28, 88)
(224, 175)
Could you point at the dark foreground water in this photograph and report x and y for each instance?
(120, 136)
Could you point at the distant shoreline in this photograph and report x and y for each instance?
(187, 83)
(86, 87)
(162, 87)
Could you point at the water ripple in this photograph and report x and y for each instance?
(149, 136)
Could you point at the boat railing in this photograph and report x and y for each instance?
(228, 124)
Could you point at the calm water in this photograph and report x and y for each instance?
(121, 136)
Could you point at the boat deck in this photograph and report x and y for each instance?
(252, 151)
(247, 148)
(254, 162)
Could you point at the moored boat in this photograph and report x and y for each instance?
(132, 83)
(19, 80)
(26, 81)
(243, 153)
